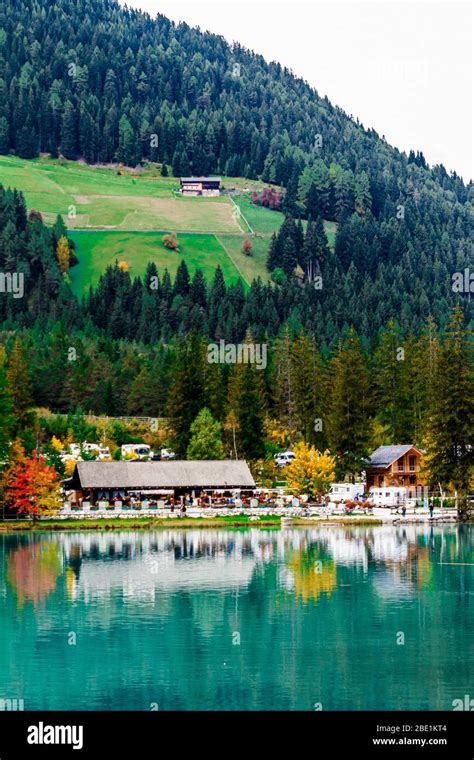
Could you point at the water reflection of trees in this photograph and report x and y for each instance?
(304, 636)
(33, 570)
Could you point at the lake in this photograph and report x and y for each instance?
(331, 618)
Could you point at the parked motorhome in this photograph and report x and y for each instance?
(342, 491)
(76, 449)
(391, 496)
(138, 451)
(101, 452)
(283, 458)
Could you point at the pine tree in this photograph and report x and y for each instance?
(309, 389)
(198, 289)
(246, 400)
(181, 282)
(6, 408)
(314, 206)
(450, 455)
(391, 391)
(274, 253)
(315, 248)
(19, 382)
(126, 147)
(186, 390)
(348, 423)
(283, 383)
(289, 258)
(69, 132)
(4, 136)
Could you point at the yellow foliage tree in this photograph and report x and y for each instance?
(69, 467)
(310, 471)
(63, 253)
(276, 432)
(123, 266)
(57, 444)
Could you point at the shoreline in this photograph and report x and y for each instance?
(144, 523)
(30, 526)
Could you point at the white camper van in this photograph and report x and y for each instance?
(342, 491)
(391, 496)
(283, 458)
(138, 451)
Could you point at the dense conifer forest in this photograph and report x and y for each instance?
(362, 338)
(92, 80)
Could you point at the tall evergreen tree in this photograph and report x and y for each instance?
(450, 454)
(19, 383)
(6, 409)
(348, 423)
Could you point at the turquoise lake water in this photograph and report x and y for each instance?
(332, 618)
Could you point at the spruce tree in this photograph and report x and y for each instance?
(6, 409)
(19, 383)
(450, 454)
(186, 389)
(181, 283)
(69, 132)
(246, 406)
(348, 423)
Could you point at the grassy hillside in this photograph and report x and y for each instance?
(96, 250)
(123, 216)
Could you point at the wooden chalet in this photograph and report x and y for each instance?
(396, 466)
(200, 185)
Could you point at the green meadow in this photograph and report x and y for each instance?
(265, 222)
(122, 214)
(96, 250)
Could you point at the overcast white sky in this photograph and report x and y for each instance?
(404, 67)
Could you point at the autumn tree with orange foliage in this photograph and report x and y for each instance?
(31, 485)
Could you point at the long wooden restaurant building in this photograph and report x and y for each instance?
(128, 482)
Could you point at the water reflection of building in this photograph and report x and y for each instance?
(139, 564)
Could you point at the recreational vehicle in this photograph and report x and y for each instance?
(392, 496)
(138, 451)
(342, 491)
(284, 458)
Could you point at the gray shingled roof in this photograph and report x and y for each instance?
(175, 474)
(385, 455)
(200, 179)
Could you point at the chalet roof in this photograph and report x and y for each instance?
(200, 179)
(227, 473)
(384, 456)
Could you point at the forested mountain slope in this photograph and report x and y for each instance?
(93, 80)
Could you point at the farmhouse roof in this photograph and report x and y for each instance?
(228, 473)
(200, 179)
(384, 456)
